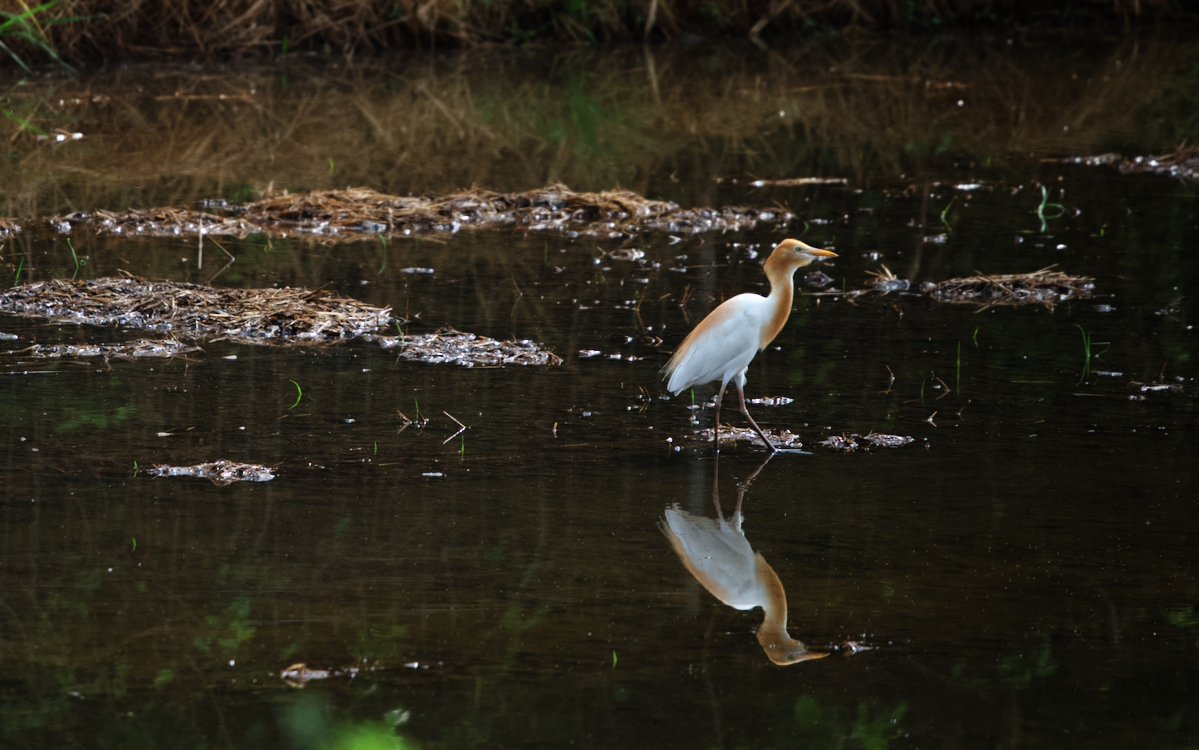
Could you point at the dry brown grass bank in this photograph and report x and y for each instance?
(120, 29)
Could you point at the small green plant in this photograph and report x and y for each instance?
(299, 395)
(1087, 353)
(330, 166)
(16, 277)
(382, 267)
(945, 213)
(75, 256)
(135, 469)
(1046, 204)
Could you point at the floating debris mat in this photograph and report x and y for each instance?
(730, 435)
(848, 443)
(358, 212)
(261, 316)
(221, 473)
(159, 222)
(448, 346)
(1183, 163)
(127, 350)
(554, 207)
(1045, 287)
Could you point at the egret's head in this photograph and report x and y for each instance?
(801, 254)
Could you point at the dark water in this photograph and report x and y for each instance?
(1024, 574)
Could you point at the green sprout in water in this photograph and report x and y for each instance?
(945, 213)
(299, 395)
(135, 469)
(330, 165)
(1086, 350)
(1046, 204)
(384, 241)
(76, 257)
(16, 278)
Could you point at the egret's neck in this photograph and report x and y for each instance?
(779, 647)
(774, 627)
(782, 295)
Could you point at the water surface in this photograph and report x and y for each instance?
(1023, 574)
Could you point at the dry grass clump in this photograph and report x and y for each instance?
(365, 210)
(448, 346)
(1183, 163)
(193, 311)
(162, 222)
(849, 443)
(362, 211)
(126, 350)
(278, 317)
(1045, 287)
(730, 435)
(221, 473)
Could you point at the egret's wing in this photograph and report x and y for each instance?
(723, 344)
(717, 555)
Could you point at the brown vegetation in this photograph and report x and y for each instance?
(1045, 287)
(134, 28)
(193, 311)
(354, 213)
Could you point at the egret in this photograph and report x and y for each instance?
(724, 343)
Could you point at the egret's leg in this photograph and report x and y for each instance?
(770, 445)
(716, 431)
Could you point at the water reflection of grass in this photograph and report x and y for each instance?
(515, 121)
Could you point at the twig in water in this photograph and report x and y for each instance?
(461, 429)
(948, 390)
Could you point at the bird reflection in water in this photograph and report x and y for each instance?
(717, 553)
